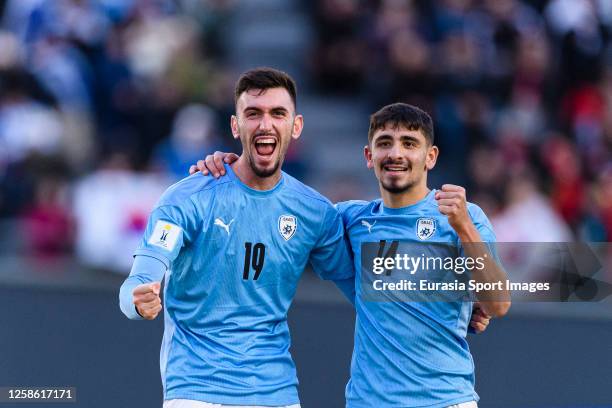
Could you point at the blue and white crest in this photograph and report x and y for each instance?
(425, 228)
(287, 225)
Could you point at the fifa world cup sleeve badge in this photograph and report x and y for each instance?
(165, 235)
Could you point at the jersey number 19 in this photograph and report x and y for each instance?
(254, 257)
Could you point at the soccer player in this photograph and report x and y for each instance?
(416, 350)
(232, 251)
(412, 354)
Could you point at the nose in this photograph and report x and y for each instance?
(395, 152)
(266, 122)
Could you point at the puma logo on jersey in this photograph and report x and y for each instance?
(219, 222)
(368, 225)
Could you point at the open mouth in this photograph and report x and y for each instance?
(265, 145)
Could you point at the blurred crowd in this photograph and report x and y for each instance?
(93, 92)
(520, 92)
(103, 103)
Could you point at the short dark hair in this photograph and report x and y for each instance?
(405, 115)
(265, 78)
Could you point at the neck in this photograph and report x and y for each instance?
(409, 197)
(245, 173)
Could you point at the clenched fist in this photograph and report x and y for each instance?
(147, 300)
(452, 203)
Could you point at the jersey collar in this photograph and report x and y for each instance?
(410, 208)
(251, 191)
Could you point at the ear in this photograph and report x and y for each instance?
(432, 157)
(234, 126)
(298, 125)
(367, 153)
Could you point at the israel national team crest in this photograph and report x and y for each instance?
(425, 228)
(287, 224)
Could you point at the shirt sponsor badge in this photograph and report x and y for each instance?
(287, 225)
(165, 235)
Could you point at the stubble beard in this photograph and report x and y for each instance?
(263, 173)
(398, 189)
(403, 187)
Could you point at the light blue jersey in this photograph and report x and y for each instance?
(234, 257)
(408, 354)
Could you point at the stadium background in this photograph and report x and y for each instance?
(105, 103)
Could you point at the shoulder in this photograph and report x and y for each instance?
(181, 192)
(301, 189)
(482, 223)
(476, 213)
(350, 210)
(352, 206)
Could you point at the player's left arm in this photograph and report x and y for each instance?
(452, 203)
(480, 319)
(331, 257)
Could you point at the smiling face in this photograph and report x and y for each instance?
(265, 122)
(400, 158)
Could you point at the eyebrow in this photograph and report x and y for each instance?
(258, 109)
(403, 138)
(409, 138)
(382, 137)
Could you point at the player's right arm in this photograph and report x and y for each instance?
(166, 233)
(213, 164)
(139, 295)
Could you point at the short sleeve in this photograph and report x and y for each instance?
(343, 209)
(169, 228)
(482, 223)
(331, 258)
(485, 229)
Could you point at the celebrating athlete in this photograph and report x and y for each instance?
(411, 354)
(232, 251)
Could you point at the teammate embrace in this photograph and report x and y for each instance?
(228, 287)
